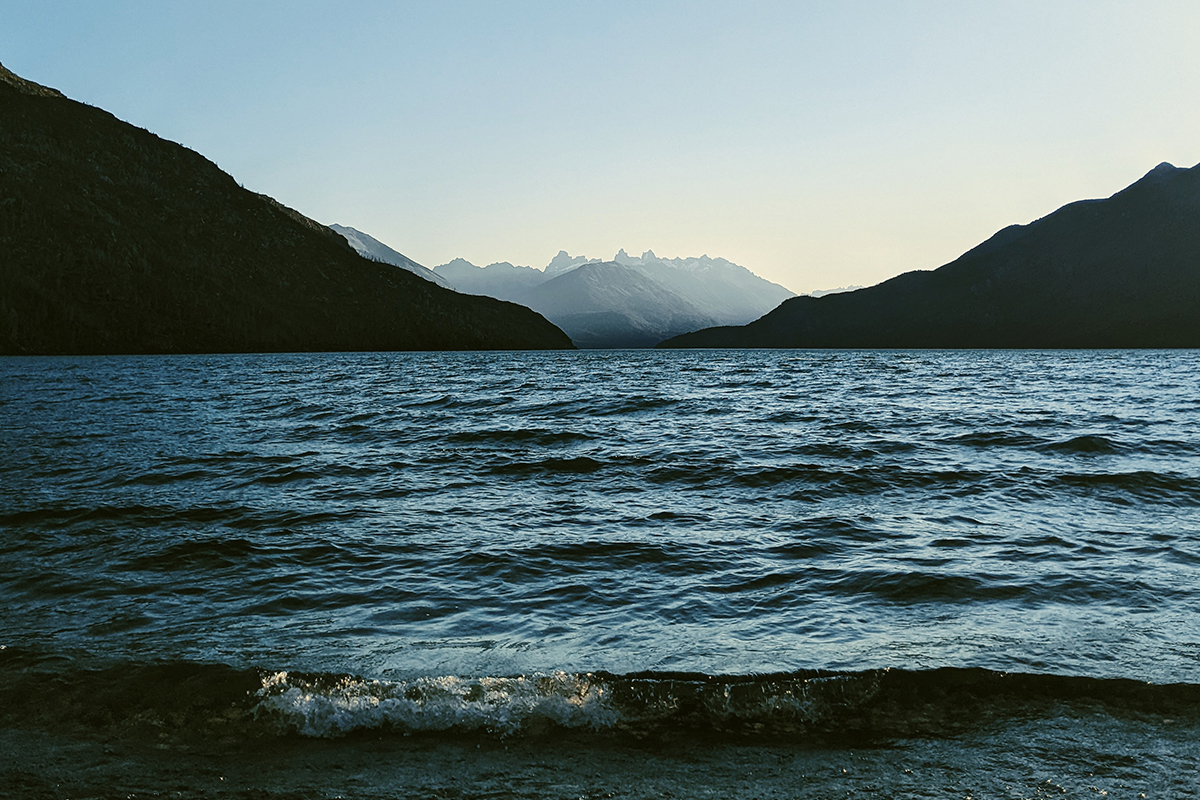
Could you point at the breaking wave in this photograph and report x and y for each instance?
(184, 699)
(801, 706)
(327, 706)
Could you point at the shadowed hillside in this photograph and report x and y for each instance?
(1120, 272)
(113, 240)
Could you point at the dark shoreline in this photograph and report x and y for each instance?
(1081, 753)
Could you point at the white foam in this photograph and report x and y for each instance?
(496, 705)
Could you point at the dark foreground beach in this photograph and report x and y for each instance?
(1085, 753)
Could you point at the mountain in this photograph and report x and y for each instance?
(372, 248)
(564, 262)
(1118, 272)
(730, 294)
(629, 301)
(607, 304)
(113, 240)
(501, 280)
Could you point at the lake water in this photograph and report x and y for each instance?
(607, 573)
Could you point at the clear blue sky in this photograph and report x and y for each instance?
(819, 144)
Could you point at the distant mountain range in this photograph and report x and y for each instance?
(113, 240)
(628, 301)
(1118, 272)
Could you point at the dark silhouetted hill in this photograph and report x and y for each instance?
(1119, 272)
(113, 240)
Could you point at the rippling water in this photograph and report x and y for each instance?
(784, 543)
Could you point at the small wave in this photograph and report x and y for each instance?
(199, 553)
(185, 699)
(324, 706)
(163, 478)
(234, 516)
(1084, 444)
(923, 587)
(572, 405)
(694, 518)
(1126, 488)
(538, 437)
(802, 706)
(579, 464)
(866, 480)
(282, 476)
(987, 439)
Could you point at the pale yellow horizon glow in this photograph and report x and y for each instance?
(817, 144)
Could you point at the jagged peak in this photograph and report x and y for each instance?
(564, 260)
(624, 258)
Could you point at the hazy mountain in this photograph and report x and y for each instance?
(1119, 272)
(372, 248)
(564, 262)
(730, 294)
(501, 280)
(613, 305)
(629, 301)
(113, 240)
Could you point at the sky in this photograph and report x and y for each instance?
(818, 144)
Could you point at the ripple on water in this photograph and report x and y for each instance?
(717, 511)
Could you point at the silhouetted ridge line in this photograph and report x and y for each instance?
(26, 87)
(1119, 272)
(113, 240)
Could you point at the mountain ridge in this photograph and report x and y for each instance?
(115, 240)
(370, 247)
(1122, 271)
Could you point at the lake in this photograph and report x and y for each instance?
(605, 573)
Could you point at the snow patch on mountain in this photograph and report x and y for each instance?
(372, 248)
